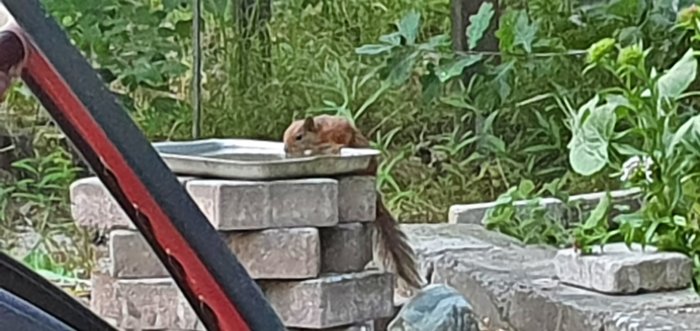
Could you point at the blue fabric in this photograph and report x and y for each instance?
(17, 314)
(437, 307)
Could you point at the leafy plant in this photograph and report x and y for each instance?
(595, 229)
(521, 214)
(437, 64)
(36, 205)
(646, 130)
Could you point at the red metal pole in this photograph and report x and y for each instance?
(16, 278)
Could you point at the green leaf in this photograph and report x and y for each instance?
(609, 235)
(587, 157)
(630, 35)
(456, 101)
(170, 5)
(401, 68)
(650, 233)
(430, 84)
(690, 130)
(373, 49)
(506, 30)
(630, 9)
(492, 144)
(23, 165)
(503, 73)
(220, 7)
(183, 28)
(588, 148)
(479, 23)
(598, 215)
(408, 27)
(677, 79)
(506, 198)
(448, 71)
(434, 42)
(393, 38)
(680, 221)
(626, 149)
(526, 187)
(525, 32)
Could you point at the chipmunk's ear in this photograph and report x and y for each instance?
(309, 124)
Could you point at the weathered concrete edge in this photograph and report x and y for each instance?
(474, 213)
(527, 304)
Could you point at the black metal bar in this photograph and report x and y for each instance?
(24, 283)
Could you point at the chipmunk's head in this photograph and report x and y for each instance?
(301, 137)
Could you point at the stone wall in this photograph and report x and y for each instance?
(306, 242)
(517, 287)
(539, 288)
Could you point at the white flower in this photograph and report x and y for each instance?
(648, 163)
(636, 164)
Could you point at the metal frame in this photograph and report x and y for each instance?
(197, 69)
(212, 279)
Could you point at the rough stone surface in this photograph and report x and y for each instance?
(475, 213)
(291, 253)
(130, 256)
(381, 324)
(332, 300)
(256, 205)
(357, 199)
(142, 304)
(92, 205)
(436, 308)
(346, 247)
(665, 320)
(515, 287)
(619, 269)
(334, 303)
(366, 326)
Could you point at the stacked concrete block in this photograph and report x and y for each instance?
(618, 269)
(306, 242)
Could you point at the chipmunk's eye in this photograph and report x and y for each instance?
(299, 136)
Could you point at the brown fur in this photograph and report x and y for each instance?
(325, 134)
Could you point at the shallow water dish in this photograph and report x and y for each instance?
(256, 159)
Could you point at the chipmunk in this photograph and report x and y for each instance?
(325, 134)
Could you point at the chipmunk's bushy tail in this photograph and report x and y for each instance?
(393, 247)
